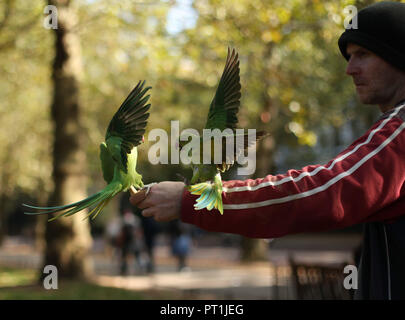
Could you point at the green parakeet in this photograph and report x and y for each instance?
(206, 180)
(118, 155)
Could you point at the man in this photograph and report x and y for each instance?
(364, 184)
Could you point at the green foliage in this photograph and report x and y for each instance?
(290, 63)
(25, 130)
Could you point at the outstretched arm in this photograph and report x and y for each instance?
(365, 182)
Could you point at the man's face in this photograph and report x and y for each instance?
(376, 81)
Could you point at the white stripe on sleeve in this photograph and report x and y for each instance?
(318, 169)
(322, 187)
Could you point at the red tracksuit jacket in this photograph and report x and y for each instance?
(365, 183)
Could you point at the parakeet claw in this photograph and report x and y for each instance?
(148, 186)
(133, 190)
(210, 195)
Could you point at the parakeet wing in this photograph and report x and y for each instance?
(107, 163)
(130, 120)
(240, 144)
(225, 105)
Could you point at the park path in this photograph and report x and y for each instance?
(214, 272)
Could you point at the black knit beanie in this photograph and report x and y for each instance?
(381, 29)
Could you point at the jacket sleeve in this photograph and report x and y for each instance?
(359, 185)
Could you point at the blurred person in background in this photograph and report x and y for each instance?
(150, 231)
(129, 236)
(180, 243)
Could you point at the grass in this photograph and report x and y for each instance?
(71, 290)
(16, 277)
(21, 284)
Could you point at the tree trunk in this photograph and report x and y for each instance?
(3, 220)
(67, 240)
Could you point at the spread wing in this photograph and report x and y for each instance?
(240, 143)
(129, 122)
(225, 105)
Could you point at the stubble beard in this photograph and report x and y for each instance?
(372, 97)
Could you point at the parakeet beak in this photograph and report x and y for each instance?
(143, 139)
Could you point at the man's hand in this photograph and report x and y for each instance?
(163, 202)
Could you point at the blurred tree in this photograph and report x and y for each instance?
(67, 240)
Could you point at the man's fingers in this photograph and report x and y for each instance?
(143, 204)
(137, 197)
(147, 212)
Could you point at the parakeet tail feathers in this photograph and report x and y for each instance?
(100, 198)
(210, 196)
(54, 209)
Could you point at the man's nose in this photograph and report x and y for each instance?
(352, 67)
